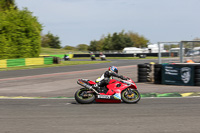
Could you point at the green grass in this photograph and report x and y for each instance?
(47, 51)
(63, 63)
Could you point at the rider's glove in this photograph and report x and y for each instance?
(122, 77)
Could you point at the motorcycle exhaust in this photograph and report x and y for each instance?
(86, 86)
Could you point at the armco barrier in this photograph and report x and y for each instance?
(34, 61)
(107, 55)
(167, 54)
(48, 61)
(58, 55)
(3, 63)
(25, 62)
(15, 62)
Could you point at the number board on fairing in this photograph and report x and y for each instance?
(104, 96)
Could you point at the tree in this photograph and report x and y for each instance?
(19, 34)
(45, 41)
(69, 48)
(169, 46)
(120, 41)
(49, 40)
(7, 5)
(82, 47)
(196, 44)
(138, 40)
(116, 41)
(107, 43)
(93, 45)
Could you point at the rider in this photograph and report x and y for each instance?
(105, 78)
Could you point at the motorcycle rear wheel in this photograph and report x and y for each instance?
(134, 97)
(83, 97)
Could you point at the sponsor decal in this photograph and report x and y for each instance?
(185, 74)
(178, 75)
(170, 71)
(80, 82)
(104, 96)
(117, 96)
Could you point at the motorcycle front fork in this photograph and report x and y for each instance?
(129, 91)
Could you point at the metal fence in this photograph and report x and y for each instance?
(186, 51)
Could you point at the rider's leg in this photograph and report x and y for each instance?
(101, 83)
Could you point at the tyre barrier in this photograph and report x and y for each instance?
(144, 72)
(157, 73)
(197, 76)
(56, 60)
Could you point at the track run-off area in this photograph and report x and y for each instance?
(41, 100)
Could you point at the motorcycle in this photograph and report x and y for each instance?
(102, 57)
(115, 92)
(66, 57)
(93, 58)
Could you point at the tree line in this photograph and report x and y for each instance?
(118, 41)
(19, 32)
(115, 41)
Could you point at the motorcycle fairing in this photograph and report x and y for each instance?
(91, 82)
(117, 96)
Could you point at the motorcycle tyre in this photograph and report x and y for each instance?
(83, 101)
(93, 58)
(130, 101)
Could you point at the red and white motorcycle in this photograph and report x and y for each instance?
(115, 92)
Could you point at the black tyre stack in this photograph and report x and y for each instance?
(143, 72)
(56, 60)
(158, 73)
(197, 76)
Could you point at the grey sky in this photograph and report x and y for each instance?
(80, 21)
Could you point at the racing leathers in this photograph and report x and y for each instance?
(105, 79)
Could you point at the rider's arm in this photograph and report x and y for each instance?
(114, 74)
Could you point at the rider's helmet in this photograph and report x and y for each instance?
(113, 69)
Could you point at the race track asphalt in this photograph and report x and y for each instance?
(150, 115)
(154, 115)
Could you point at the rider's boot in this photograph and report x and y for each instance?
(96, 87)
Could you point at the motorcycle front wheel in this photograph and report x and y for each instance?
(82, 96)
(130, 95)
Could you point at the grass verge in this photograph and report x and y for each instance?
(45, 51)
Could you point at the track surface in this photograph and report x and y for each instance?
(171, 115)
(64, 115)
